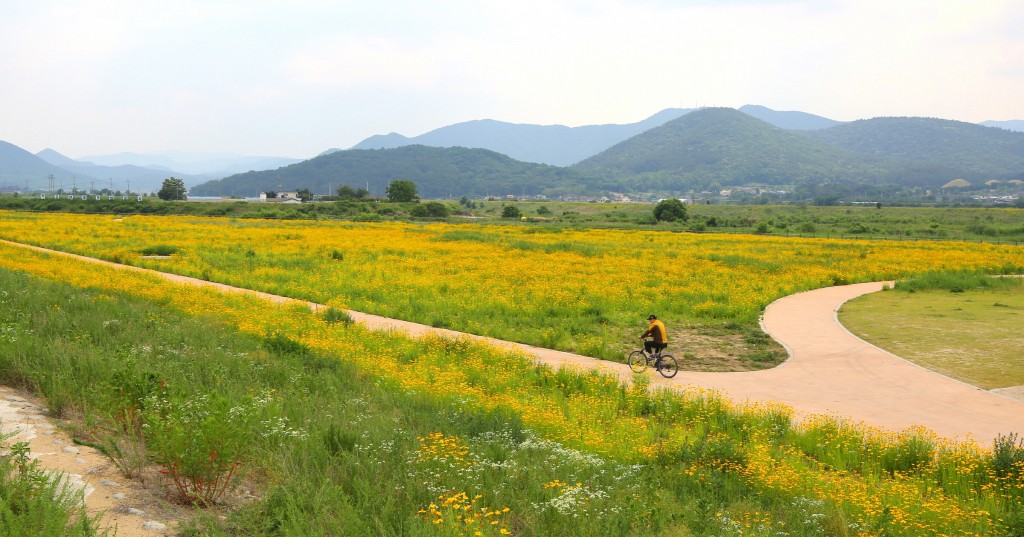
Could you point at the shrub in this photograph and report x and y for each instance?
(200, 441)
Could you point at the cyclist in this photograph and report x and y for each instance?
(659, 337)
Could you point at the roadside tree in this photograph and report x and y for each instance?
(402, 191)
(172, 189)
(670, 210)
(346, 192)
(511, 211)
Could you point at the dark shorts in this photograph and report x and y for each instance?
(656, 347)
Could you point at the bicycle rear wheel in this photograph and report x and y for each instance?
(637, 361)
(668, 366)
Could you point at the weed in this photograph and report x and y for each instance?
(337, 315)
(1008, 456)
(159, 250)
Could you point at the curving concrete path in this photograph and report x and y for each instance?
(829, 371)
(832, 371)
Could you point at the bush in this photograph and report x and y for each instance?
(200, 441)
(159, 249)
(431, 209)
(670, 210)
(511, 211)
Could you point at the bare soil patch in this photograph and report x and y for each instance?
(714, 349)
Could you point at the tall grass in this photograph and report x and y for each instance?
(955, 281)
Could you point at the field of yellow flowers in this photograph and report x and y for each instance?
(860, 482)
(580, 290)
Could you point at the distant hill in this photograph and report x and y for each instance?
(724, 146)
(137, 178)
(798, 121)
(557, 145)
(19, 168)
(940, 147)
(202, 166)
(437, 172)
(1010, 125)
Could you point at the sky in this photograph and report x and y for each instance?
(292, 78)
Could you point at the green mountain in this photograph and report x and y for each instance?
(943, 148)
(703, 149)
(727, 147)
(437, 172)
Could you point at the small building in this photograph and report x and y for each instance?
(282, 197)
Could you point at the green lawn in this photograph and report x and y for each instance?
(975, 336)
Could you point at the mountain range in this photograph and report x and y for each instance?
(20, 169)
(700, 149)
(673, 150)
(559, 145)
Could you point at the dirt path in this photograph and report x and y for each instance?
(127, 506)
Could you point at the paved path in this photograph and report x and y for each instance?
(829, 371)
(832, 371)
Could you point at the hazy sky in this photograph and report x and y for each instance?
(295, 77)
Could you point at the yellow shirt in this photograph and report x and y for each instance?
(657, 331)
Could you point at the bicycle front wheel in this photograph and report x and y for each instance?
(668, 367)
(637, 361)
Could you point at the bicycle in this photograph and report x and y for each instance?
(640, 360)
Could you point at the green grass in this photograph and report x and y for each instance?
(963, 325)
(347, 451)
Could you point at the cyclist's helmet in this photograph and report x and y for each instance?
(652, 317)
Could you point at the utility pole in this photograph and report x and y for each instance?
(129, 181)
(50, 177)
